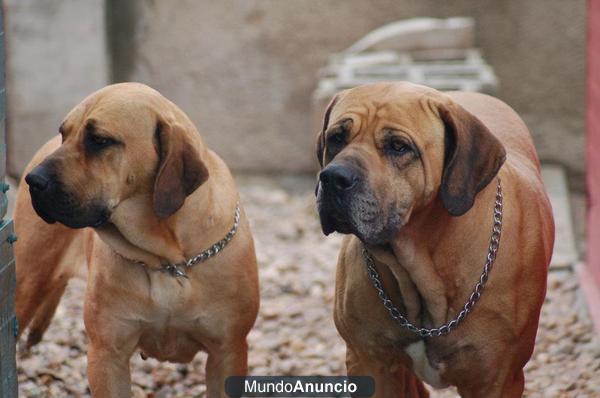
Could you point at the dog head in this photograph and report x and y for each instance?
(389, 149)
(124, 140)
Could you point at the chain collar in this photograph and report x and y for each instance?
(178, 270)
(473, 298)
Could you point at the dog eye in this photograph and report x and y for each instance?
(95, 142)
(100, 140)
(337, 138)
(399, 147)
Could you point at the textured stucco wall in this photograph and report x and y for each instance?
(55, 57)
(244, 70)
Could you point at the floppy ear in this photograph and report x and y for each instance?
(321, 136)
(473, 157)
(180, 170)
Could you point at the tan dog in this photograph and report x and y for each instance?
(412, 174)
(134, 170)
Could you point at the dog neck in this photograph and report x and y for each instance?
(137, 234)
(433, 272)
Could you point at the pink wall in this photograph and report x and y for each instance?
(589, 274)
(593, 137)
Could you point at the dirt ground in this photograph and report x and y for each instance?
(294, 333)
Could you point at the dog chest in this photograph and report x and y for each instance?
(422, 366)
(169, 344)
(171, 320)
(167, 293)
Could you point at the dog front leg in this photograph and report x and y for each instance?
(228, 359)
(111, 345)
(390, 380)
(108, 372)
(510, 385)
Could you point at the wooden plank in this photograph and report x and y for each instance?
(466, 71)
(565, 252)
(447, 56)
(418, 33)
(438, 70)
(327, 88)
(591, 290)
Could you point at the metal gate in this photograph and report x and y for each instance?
(8, 321)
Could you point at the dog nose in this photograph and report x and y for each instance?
(341, 178)
(37, 180)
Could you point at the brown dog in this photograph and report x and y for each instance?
(133, 182)
(412, 174)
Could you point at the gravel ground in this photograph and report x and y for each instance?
(294, 333)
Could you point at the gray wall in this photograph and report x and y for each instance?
(55, 57)
(244, 70)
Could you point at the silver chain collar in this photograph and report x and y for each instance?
(178, 270)
(475, 295)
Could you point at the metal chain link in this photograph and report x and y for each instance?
(178, 270)
(473, 298)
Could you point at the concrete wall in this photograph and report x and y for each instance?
(244, 70)
(56, 56)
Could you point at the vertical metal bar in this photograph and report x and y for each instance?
(8, 320)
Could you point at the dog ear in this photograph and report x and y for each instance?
(473, 157)
(180, 170)
(321, 135)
